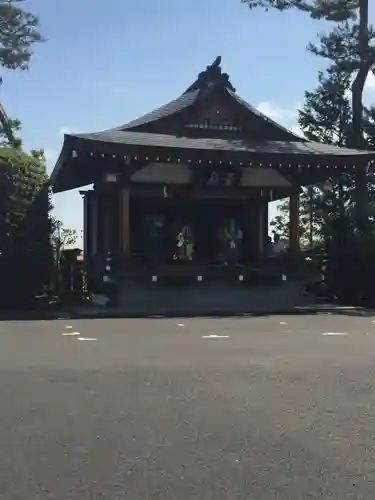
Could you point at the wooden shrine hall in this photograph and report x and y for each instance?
(187, 186)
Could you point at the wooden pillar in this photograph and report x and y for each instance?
(93, 223)
(106, 223)
(251, 230)
(107, 216)
(261, 242)
(265, 227)
(262, 227)
(99, 223)
(90, 223)
(294, 223)
(86, 230)
(124, 221)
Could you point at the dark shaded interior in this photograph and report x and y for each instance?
(205, 217)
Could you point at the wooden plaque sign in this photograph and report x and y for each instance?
(218, 177)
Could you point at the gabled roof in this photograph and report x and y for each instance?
(208, 80)
(136, 137)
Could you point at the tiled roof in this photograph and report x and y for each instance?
(260, 115)
(188, 99)
(208, 80)
(235, 145)
(182, 102)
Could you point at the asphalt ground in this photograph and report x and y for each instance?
(236, 408)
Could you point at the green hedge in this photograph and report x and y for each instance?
(26, 257)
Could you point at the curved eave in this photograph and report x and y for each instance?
(124, 142)
(68, 174)
(60, 162)
(84, 158)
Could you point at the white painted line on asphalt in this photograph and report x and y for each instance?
(283, 323)
(326, 334)
(85, 338)
(213, 336)
(68, 326)
(70, 334)
(180, 324)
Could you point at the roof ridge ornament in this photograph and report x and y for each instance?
(212, 76)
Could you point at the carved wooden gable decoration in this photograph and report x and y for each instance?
(214, 118)
(213, 115)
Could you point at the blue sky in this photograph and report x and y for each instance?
(105, 63)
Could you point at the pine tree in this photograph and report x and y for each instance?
(325, 116)
(326, 113)
(25, 250)
(19, 30)
(310, 219)
(349, 45)
(330, 10)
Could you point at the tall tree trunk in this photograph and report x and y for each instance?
(365, 64)
(4, 120)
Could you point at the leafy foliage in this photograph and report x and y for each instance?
(349, 45)
(25, 249)
(331, 10)
(340, 46)
(62, 237)
(10, 138)
(326, 114)
(326, 117)
(349, 48)
(19, 30)
(311, 219)
(22, 176)
(25, 253)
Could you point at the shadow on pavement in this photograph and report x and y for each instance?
(92, 312)
(295, 311)
(32, 315)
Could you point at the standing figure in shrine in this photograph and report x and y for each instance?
(233, 242)
(221, 242)
(154, 237)
(277, 246)
(185, 244)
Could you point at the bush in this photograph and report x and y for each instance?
(350, 273)
(25, 251)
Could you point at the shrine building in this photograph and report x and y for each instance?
(182, 186)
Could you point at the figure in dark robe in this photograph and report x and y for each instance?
(154, 237)
(233, 242)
